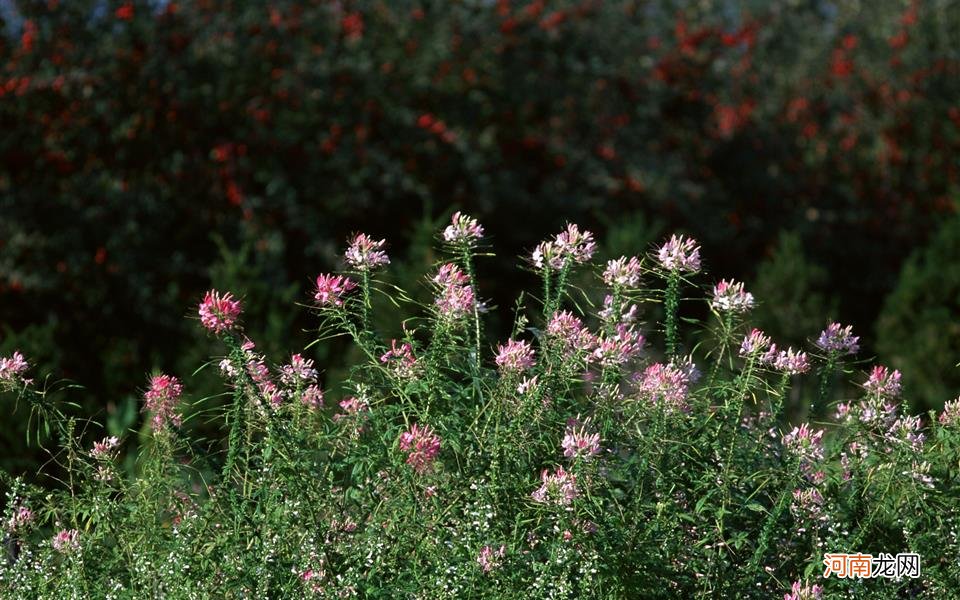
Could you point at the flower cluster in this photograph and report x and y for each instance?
(515, 356)
(754, 343)
(66, 541)
(617, 315)
(622, 272)
(577, 443)
(730, 297)
(665, 385)
(256, 367)
(617, 349)
(569, 246)
(807, 505)
(907, 430)
(569, 332)
(162, 399)
(365, 254)
(679, 254)
(332, 288)
(489, 559)
(951, 413)
(883, 382)
(801, 591)
(298, 372)
(20, 517)
(805, 443)
(559, 488)
(103, 450)
(463, 230)
(838, 340)
(400, 359)
(421, 445)
(219, 313)
(455, 298)
(12, 369)
(788, 361)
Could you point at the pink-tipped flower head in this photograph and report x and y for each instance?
(622, 315)
(616, 350)
(791, 362)
(559, 488)
(366, 254)
(679, 254)
(622, 272)
(20, 518)
(907, 430)
(801, 591)
(805, 443)
(312, 397)
(754, 343)
(577, 443)
(12, 369)
(490, 559)
(730, 297)
(219, 313)
(450, 274)
(400, 359)
(463, 230)
(299, 372)
(515, 356)
(567, 330)
(421, 445)
(331, 289)
(951, 414)
(883, 383)
(455, 299)
(838, 340)
(162, 399)
(570, 246)
(665, 385)
(66, 541)
(103, 450)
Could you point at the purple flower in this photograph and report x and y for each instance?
(618, 349)
(162, 400)
(463, 230)
(839, 340)
(679, 254)
(754, 343)
(800, 591)
(455, 299)
(400, 359)
(577, 443)
(515, 357)
(489, 559)
(12, 369)
(300, 371)
(665, 385)
(219, 313)
(951, 413)
(569, 246)
(570, 333)
(622, 272)
(421, 446)
(907, 430)
(332, 288)
(791, 362)
(883, 383)
(730, 297)
(366, 254)
(559, 487)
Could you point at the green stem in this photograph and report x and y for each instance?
(671, 305)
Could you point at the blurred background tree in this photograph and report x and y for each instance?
(153, 149)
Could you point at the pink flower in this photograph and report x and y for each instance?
(66, 541)
(162, 399)
(450, 274)
(400, 359)
(463, 230)
(807, 505)
(219, 313)
(618, 349)
(610, 314)
(680, 254)
(421, 446)
(12, 369)
(455, 299)
(730, 297)
(489, 559)
(838, 340)
(515, 356)
(754, 343)
(805, 443)
(365, 253)
(569, 246)
(622, 272)
(791, 362)
(801, 591)
(21, 517)
(907, 430)
(300, 371)
(312, 397)
(665, 385)
(103, 449)
(883, 383)
(570, 332)
(332, 288)
(951, 413)
(559, 487)
(577, 443)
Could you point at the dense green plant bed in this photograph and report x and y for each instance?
(574, 460)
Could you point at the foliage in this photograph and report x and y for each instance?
(577, 461)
